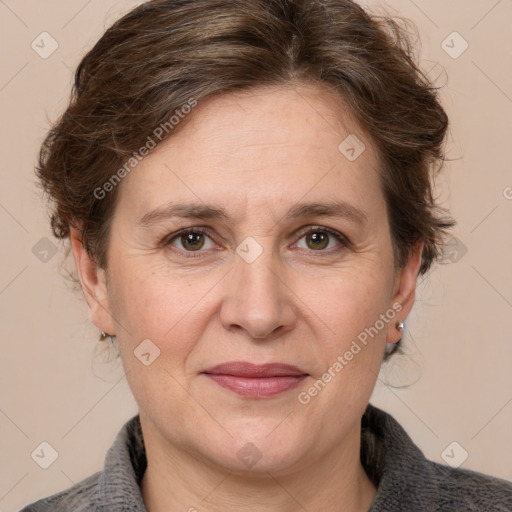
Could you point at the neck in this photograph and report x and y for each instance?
(177, 481)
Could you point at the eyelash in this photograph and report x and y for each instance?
(198, 230)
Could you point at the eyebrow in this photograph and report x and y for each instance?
(202, 211)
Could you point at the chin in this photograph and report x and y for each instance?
(260, 446)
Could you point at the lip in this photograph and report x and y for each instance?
(257, 381)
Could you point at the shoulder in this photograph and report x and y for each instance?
(406, 480)
(78, 498)
(467, 490)
(116, 487)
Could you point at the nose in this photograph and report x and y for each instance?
(259, 301)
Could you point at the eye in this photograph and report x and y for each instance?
(199, 240)
(319, 238)
(191, 240)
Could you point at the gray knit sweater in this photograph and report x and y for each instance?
(406, 481)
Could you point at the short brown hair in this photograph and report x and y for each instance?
(165, 52)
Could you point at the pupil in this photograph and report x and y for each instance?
(318, 240)
(193, 240)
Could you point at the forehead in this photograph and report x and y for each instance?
(265, 146)
(269, 120)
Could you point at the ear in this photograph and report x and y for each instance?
(94, 285)
(405, 290)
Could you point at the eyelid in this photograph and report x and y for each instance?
(344, 241)
(193, 229)
(341, 237)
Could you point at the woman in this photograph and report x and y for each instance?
(246, 187)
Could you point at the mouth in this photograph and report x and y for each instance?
(256, 381)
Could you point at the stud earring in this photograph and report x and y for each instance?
(107, 335)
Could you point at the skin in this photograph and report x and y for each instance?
(256, 154)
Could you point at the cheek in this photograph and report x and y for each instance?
(151, 304)
(168, 312)
(347, 302)
(334, 304)
(350, 309)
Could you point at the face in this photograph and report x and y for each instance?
(259, 277)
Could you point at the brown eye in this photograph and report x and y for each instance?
(192, 241)
(317, 240)
(320, 239)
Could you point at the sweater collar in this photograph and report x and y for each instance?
(401, 473)
(405, 478)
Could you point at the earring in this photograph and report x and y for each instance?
(106, 335)
(400, 325)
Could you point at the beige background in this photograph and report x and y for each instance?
(54, 386)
